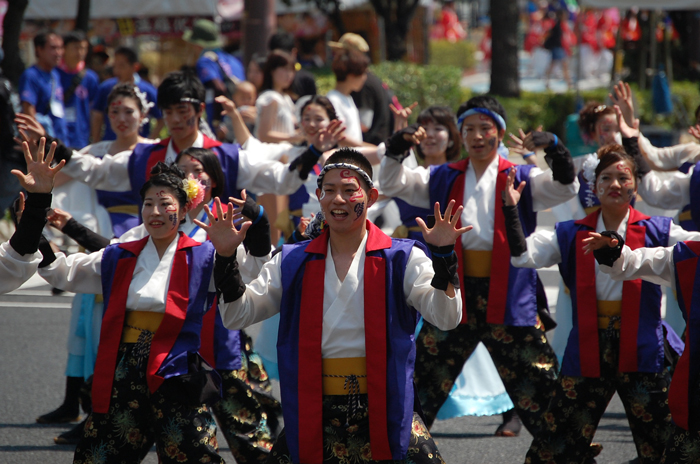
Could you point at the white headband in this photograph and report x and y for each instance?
(328, 167)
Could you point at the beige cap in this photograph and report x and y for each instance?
(350, 41)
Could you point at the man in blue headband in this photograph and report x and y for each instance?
(500, 304)
(348, 303)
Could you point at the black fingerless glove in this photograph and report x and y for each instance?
(559, 160)
(62, 152)
(257, 240)
(396, 146)
(514, 231)
(46, 251)
(631, 146)
(296, 237)
(544, 139)
(307, 161)
(227, 278)
(607, 256)
(445, 266)
(25, 240)
(86, 238)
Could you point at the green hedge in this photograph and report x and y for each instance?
(459, 54)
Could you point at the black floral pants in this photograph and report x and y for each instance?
(346, 439)
(248, 414)
(524, 359)
(136, 419)
(579, 403)
(683, 446)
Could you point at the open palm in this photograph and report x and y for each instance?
(40, 175)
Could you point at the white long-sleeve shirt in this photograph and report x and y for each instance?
(669, 158)
(343, 301)
(654, 265)
(258, 170)
(412, 186)
(15, 269)
(543, 251)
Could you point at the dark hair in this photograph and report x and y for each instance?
(324, 103)
(276, 59)
(126, 90)
(166, 176)
(74, 36)
(347, 62)
(351, 156)
(483, 101)
(613, 153)
(128, 53)
(281, 41)
(41, 38)
(442, 115)
(178, 85)
(212, 166)
(589, 115)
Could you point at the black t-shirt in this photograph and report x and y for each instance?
(373, 96)
(304, 84)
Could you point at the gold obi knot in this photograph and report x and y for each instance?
(685, 216)
(609, 312)
(136, 322)
(591, 209)
(402, 231)
(124, 209)
(477, 263)
(339, 375)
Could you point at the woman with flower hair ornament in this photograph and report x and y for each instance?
(148, 376)
(617, 341)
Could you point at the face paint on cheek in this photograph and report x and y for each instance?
(170, 209)
(323, 195)
(492, 143)
(358, 195)
(601, 191)
(630, 194)
(173, 219)
(191, 121)
(359, 208)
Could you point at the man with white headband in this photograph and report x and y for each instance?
(500, 304)
(348, 303)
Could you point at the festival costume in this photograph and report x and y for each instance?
(139, 368)
(619, 347)
(361, 327)
(675, 266)
(500, 311)
(100, 104)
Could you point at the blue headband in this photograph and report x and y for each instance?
(495, 116)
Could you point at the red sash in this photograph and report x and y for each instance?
(310, 358)
(678, 393)
(500, 254)
(113, 320)
(587, 301)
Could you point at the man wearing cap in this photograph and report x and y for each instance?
(500, 302)
(372, 100)
(218, 70)
(346, 359)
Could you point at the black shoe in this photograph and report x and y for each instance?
(511, 425)
(60, 416)
(72, 436)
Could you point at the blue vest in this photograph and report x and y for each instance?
(408, 214)
(515, 287)
(648, 351)
(401, 320)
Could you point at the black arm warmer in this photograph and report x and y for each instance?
(25, 240)
(631, 146)
(559, 160)
(514, 231)
(46, 251)
(396, 146)
(307, 161)
(445, 266)
(608, 255)
(296, 237)
(86, 238)
(227, 278)
(257, 240)
(62, 152)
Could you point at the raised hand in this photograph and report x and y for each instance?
(227, 105)
(401, 115)
(626, 130)
(596, 241)
(222, 230)
(511, 195)
(29, 127)
(517, 144)
(445, 231)
(58, 218)
(329, 136)
(40, 175)
(622, 97)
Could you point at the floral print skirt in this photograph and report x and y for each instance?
(579, 403)
(137, 418)
(346, 438)
(248, 415)
(683, 447)
(525, 361)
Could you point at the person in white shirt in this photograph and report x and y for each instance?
(350, 69)
(500, 300)
(353, 340)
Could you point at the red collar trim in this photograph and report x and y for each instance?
(462, 165)
(377, 240)
(591, 220)
(136, 247)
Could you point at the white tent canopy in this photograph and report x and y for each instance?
(643, 4)
(67, 9)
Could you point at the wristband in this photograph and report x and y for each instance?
(315, 151)
(556, 140)
(260, 215)
(527, 155)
